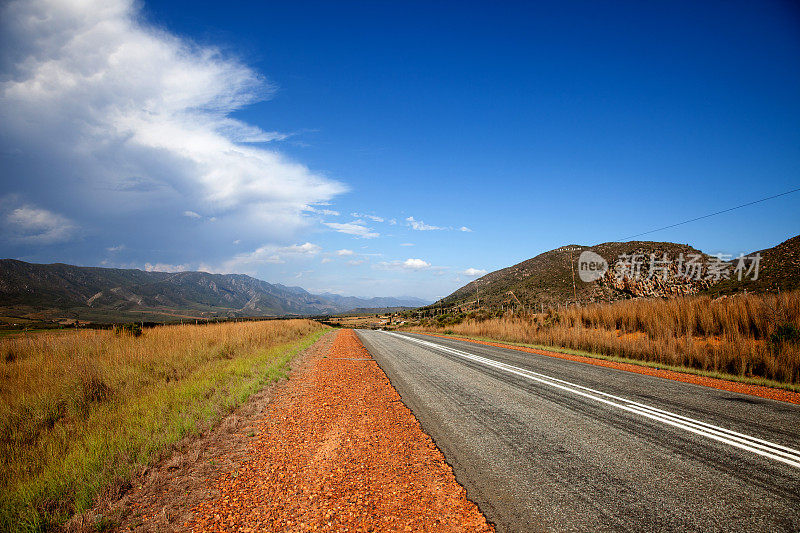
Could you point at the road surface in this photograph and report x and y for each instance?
(546, 444)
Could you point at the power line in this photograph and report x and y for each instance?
(711, 214)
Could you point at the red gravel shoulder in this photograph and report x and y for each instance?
(731, 386)
(338, 451)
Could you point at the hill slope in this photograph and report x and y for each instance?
(107, 294)
(779, 269)
(547, 279)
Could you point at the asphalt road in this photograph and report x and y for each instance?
(546, 444)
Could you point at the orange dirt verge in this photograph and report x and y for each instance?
(338, 451)
(731, 386)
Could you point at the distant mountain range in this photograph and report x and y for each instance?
(65, 292)
(547, 279)
(56, 291)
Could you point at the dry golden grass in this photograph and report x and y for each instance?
(745, 335)
(80, 412)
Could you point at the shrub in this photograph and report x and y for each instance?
(133, 329)
(785, 333)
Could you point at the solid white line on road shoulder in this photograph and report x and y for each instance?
(755, 445)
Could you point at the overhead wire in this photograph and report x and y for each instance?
(711, 214)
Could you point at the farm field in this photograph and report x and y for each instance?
(82, 411)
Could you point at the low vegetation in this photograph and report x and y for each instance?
(747, 336)
(81, 412)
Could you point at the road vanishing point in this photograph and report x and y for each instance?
(547, 444)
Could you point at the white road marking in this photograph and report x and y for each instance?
(758, 446)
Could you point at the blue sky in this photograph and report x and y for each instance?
(449, 138)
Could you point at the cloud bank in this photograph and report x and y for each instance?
(105, 117)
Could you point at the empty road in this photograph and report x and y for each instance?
(546, 444)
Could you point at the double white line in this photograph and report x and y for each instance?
(761, 447)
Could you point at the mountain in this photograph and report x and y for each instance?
(108, 294)
(547, 279)
(362, 311)
(350, 303)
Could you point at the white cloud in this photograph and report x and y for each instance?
(419, 225)
(354, 262)
(356, 228)
(408, 264)
(269, 254)
(192, 214)
(325, 212)
(166, 267)
(393, 222)
(472, 272)
(374, 218)
(116, 248)
(28, 224)
(344, 252)
(301, 249)
(326, 260)
(406, 244)
(415, 264)
(142, 119)
(265, 254)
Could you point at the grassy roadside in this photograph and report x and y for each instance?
(747, 337)
(638, 362)
(80, 414)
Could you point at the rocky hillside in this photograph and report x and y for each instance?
(547, 279)
(107, 294)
